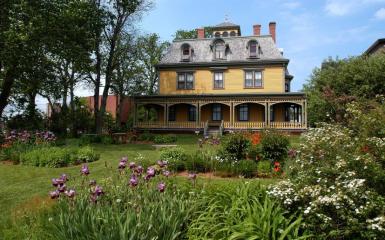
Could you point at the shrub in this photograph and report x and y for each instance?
(245, 212)
(106, 139)
(234, 147)
(254, 152)
(86, 139)
(146, 136)
(274, 145)
(175, 156)
(200, 161)
(264, 168)
(337, 181)
(170, 138)
(247, 168)
(57, 156)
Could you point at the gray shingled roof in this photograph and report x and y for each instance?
(226, 24)
(237, 49)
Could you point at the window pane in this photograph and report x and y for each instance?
(181, 81)
(258, 79)
(217, 113)
(249, 79)
(253, 49)
(189, 81)
(243, 112)
(171, 113)
(192, 113)
(218, 80)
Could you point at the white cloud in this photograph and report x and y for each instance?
(380, 14)
(343, 7)
(291, 5)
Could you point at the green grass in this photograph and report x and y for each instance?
(19, 184)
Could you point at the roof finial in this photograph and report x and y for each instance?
(226, 18)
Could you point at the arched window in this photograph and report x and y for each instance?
(253, 49)
(219, 49)
(233, 34)
(186, 52)
(225, 34)
(217, 34)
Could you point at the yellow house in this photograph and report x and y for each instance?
(226, 82)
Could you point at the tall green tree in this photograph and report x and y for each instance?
(340, 81)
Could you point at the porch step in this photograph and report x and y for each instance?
(213, 132)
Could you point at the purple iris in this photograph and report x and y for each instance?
(132, 165)
(192, 176)
(122, 165)
(166, 173)
(92, 182)
(64, 177)
(98, 190)
(147, 177)
(54, 182)
(151, 171)
(85, 171)
(161, 163)
(54, 194)
(62, 188)
(70, 193)
(134, 181)
(139, 169)
(161, 187)
(124, 159)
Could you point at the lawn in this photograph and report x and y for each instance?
(25, 186)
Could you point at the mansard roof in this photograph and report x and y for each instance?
(238, 51)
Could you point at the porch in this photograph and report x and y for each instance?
(228, 113)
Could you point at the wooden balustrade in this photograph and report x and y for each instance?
(287, 125)
(226, 125)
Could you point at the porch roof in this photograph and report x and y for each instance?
(234, 95)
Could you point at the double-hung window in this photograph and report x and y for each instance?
(185, 80)
(253, 79)
(192, 113)
(243, 112)
(218, 80)
(217, 112)
(172, 113)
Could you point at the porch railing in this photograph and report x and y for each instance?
(249, 124)
(287, 125)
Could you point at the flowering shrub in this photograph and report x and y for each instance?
(274, 146)
(175, 156)
(234, 147)
(337, 184)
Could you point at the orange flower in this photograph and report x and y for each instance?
(256, 138)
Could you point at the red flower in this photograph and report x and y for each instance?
(277, 166)
(365, 149)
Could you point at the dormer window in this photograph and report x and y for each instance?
(219, 49)
(187, 52)
(253, 49)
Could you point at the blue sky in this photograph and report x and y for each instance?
(308, 31)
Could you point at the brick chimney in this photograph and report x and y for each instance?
(201, 32)
(257, 29)
(272, 30)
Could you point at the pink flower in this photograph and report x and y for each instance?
(139, 169)
(161, 187)
(192, 176)
(151, 171)
(162, 163)
(132, 165)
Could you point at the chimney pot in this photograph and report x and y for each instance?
(257, 29)
(272, 26)
(201, 32)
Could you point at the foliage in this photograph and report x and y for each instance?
(242, 213)
(338, 82)
(274, 145)
(337, 181)
(146, 136)
(234, 147)
(200, 161)
(191, 34)
(175, 157)
(57, 156)
(169, 138)
(254, 152)
(264, 168)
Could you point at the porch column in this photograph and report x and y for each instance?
(305, 113)
(165, 112)
(267, 115)
(231, 114)
(197, 117)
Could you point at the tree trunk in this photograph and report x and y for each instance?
(6, 87)
(72, 106)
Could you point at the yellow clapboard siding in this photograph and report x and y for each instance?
(273, 82)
